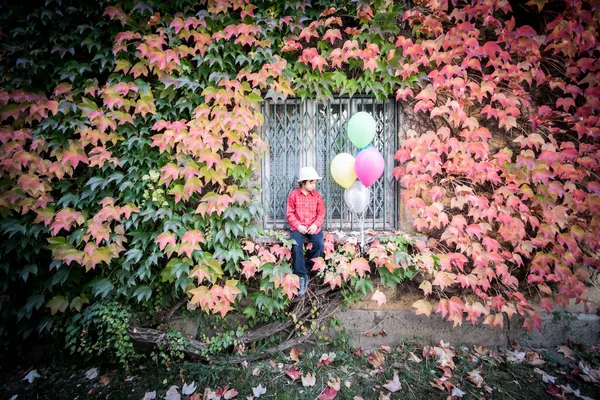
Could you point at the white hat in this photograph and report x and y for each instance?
(308, 174)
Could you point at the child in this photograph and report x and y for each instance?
(305, 214)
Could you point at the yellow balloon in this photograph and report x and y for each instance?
(342, 170)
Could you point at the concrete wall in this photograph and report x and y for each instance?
(400, 325)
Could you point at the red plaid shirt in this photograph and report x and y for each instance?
(305, 209)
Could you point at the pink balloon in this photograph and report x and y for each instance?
(369, 166)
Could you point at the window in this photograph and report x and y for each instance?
(311, 133)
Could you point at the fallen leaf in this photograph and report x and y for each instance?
(555, 391)
(259, 390)
(534, 358)
(567, 352)
(230, 394)
(31, 376)
(475, 377)
(348, 384)
(515, 357)
(456, 392)
(210, 395)
(414, 358)
(91, 373)
(150, 395)
(295, 354)
(293, 373)
(173, 393)
(480, 351)
(577, 393)
(383, 396)
(328, 393)
(545, 377)
(385, 349)
(326, 358)
(393, 385)
(335, 383)
(105, 379)
(376, 359)
(357, 398)
(588, 374)
(308, 380)
(488, 389)
(256, 371)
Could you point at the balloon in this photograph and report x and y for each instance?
(357, 197)
(342, 169)
(369, 166)
(361, 129)
(364, 148)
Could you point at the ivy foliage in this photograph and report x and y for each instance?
(130, 135)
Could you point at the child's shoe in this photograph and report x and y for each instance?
(303, 286)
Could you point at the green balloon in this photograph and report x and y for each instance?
(361, 129)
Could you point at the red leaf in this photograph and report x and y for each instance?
(328, 393)
(165, 238)
(290, 285)
(319, 264)
(293, 373)
(547, 304)
(74, 155)
(65, 219)
(379, 297)
(360, 265)
(251, 266)
(474, 230)
(423, 307)
(565, 103)
(332, 35)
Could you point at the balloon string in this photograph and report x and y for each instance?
(362, 232)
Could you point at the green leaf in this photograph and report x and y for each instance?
(28, 269)
(250, 312)
(95, 182)
(142, 293)
(60, 277)
(364, 285)
(78, 302)
(57, 303)
(34, 302)
(390, 279)
(101, 286)
(122, 65)
(175, 269)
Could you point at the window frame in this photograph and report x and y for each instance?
(303, 126)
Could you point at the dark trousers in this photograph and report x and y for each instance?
(300, 267)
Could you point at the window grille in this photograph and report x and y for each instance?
(312, 133)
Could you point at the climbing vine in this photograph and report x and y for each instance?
(130, 136)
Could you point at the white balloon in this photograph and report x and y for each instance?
(357, 197)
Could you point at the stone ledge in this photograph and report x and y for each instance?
(344, 236)
(400, 325)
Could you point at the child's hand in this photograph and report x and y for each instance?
(302, 229)
(312, 229)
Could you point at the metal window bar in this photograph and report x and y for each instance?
(312, 133)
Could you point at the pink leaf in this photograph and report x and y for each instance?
(379, 297)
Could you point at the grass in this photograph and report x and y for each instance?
(65, 379)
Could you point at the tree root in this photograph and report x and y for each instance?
(323, 300)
